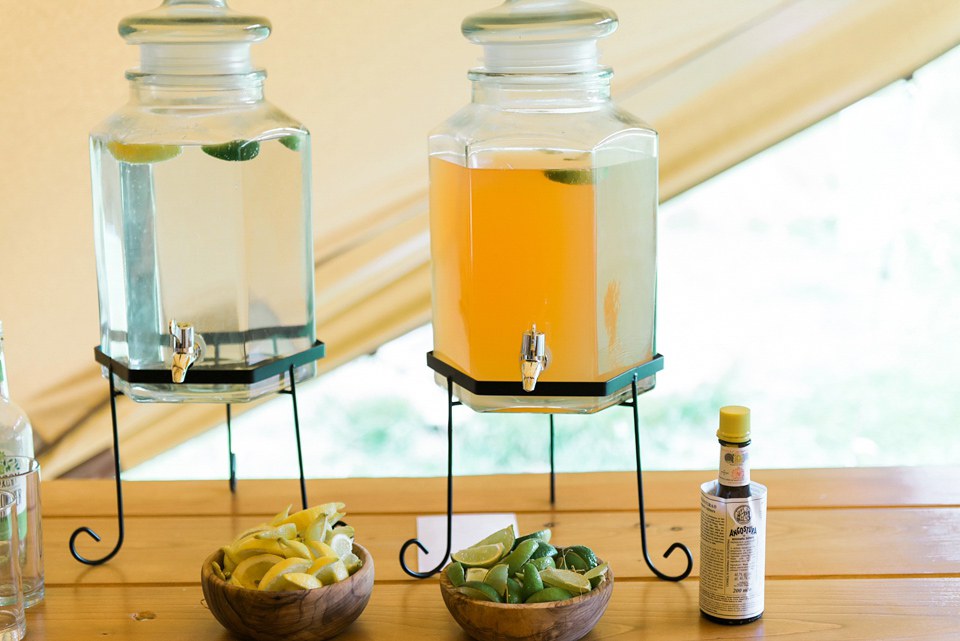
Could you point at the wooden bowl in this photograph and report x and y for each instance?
(298, 615)
(566, 620)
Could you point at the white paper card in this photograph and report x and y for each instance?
(466, 530)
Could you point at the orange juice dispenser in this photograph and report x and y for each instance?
(543, 233)
(543, 201)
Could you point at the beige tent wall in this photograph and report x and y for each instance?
(720, 81)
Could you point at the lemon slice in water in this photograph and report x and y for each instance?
(142, 154)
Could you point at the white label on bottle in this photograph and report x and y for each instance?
(734, 466)
(733, 534)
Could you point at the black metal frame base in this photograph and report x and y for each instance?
(572, 389)
(260, 372)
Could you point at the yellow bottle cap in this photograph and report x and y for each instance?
(734, 424)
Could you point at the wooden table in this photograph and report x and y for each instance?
(851, 553)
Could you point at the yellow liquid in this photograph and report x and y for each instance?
(572, 250)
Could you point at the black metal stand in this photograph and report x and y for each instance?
(280, 366)
(631, 377)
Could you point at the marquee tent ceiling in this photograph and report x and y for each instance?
(719, 81)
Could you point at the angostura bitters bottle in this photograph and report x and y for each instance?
(202, 213)
(543, 199)
(732, 529)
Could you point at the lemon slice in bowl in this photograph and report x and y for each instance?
(274, 578)
(341, 544)
(250, 571)
(301, 581)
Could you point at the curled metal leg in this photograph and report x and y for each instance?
(643, 524)
(116, 468)
(446, 555)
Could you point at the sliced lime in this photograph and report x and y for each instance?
(543, 563)
(521, 555)
(504, 537)
(566, 579)
(531, 581)
(292, 142)
(479, 595)
(483, 587)
(497, 579)
(475, 574)
(584, 553)
(540, 535)
(544, 549)
(483, 556)
(456, 575)
(236, 150)
(586, 176)
(549, 594)
(597, 575)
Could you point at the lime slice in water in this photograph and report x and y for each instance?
(237, 150)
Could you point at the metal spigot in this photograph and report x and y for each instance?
(186, 349)
(533, 357)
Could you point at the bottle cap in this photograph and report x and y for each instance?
(545, 36)
(734, 424)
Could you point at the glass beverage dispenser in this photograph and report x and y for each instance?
(543, 200)
(202, 213)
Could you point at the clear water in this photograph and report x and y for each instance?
(225, 245)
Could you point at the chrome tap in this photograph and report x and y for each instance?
(533, 357)
(186, 349)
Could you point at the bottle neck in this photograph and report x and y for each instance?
(563, 92)
(734, 464)
(155, 89)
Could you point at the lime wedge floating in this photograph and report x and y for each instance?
(301, 581)
(474, 593)
(143, 154)
(483, 556)
(577, 176)
(597, 575)
(332, 573)
(505, 537)
(497, 579)
(567, 579)
(540, 535)
(521, 555)
(484, 588)
(549, 594)
(456, 575)
(238, 150)
(292, 142)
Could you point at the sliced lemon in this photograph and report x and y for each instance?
(320, 563)
(249, 533)
(320, 550)
(250, 571)
(566, 579)
(295, 549)
(304, 518)
(302, 581)
(281, 516)
(317, 530)
(333, 573)
(342, 529)
(274, 578)
(284, 531)
(341, 544)
(252, 547)
(352, 563)
(482, 556)
(142, 154)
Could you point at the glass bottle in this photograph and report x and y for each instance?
(202, 212)
(543, 199)
(732, 529)
(16, 433)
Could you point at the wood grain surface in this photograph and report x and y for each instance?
(852, 554)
